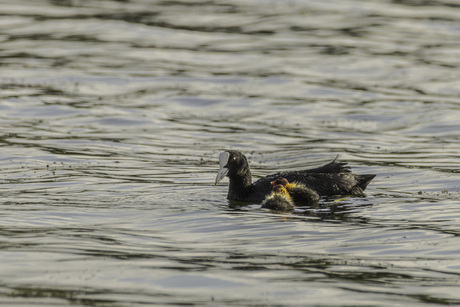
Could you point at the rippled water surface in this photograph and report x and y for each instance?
(113, 114)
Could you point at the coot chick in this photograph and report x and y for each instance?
(278, 199)
(298, 191)
(334, 178)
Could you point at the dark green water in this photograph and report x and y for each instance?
(113, 114)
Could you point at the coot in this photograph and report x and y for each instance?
(334, 178)
(278, 199)
(298, 191)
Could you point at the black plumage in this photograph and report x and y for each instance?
(334, 178)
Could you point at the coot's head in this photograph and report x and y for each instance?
(231, 162)
(281, 181)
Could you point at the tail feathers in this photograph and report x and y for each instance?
(335, 160)
(364, 180)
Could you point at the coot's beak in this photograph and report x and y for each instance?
(223, 160)
(221, 174)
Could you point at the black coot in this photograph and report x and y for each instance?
(334, 178)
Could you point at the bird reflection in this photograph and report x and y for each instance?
(327, 209)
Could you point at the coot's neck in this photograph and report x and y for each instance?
(240, 184)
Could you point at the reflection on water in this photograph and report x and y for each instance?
(113, 113)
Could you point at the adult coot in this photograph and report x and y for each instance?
(334, 178)
(298, 191)
(278, 199)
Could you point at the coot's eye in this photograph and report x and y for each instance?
(233, 159)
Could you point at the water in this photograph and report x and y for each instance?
(113, 114)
